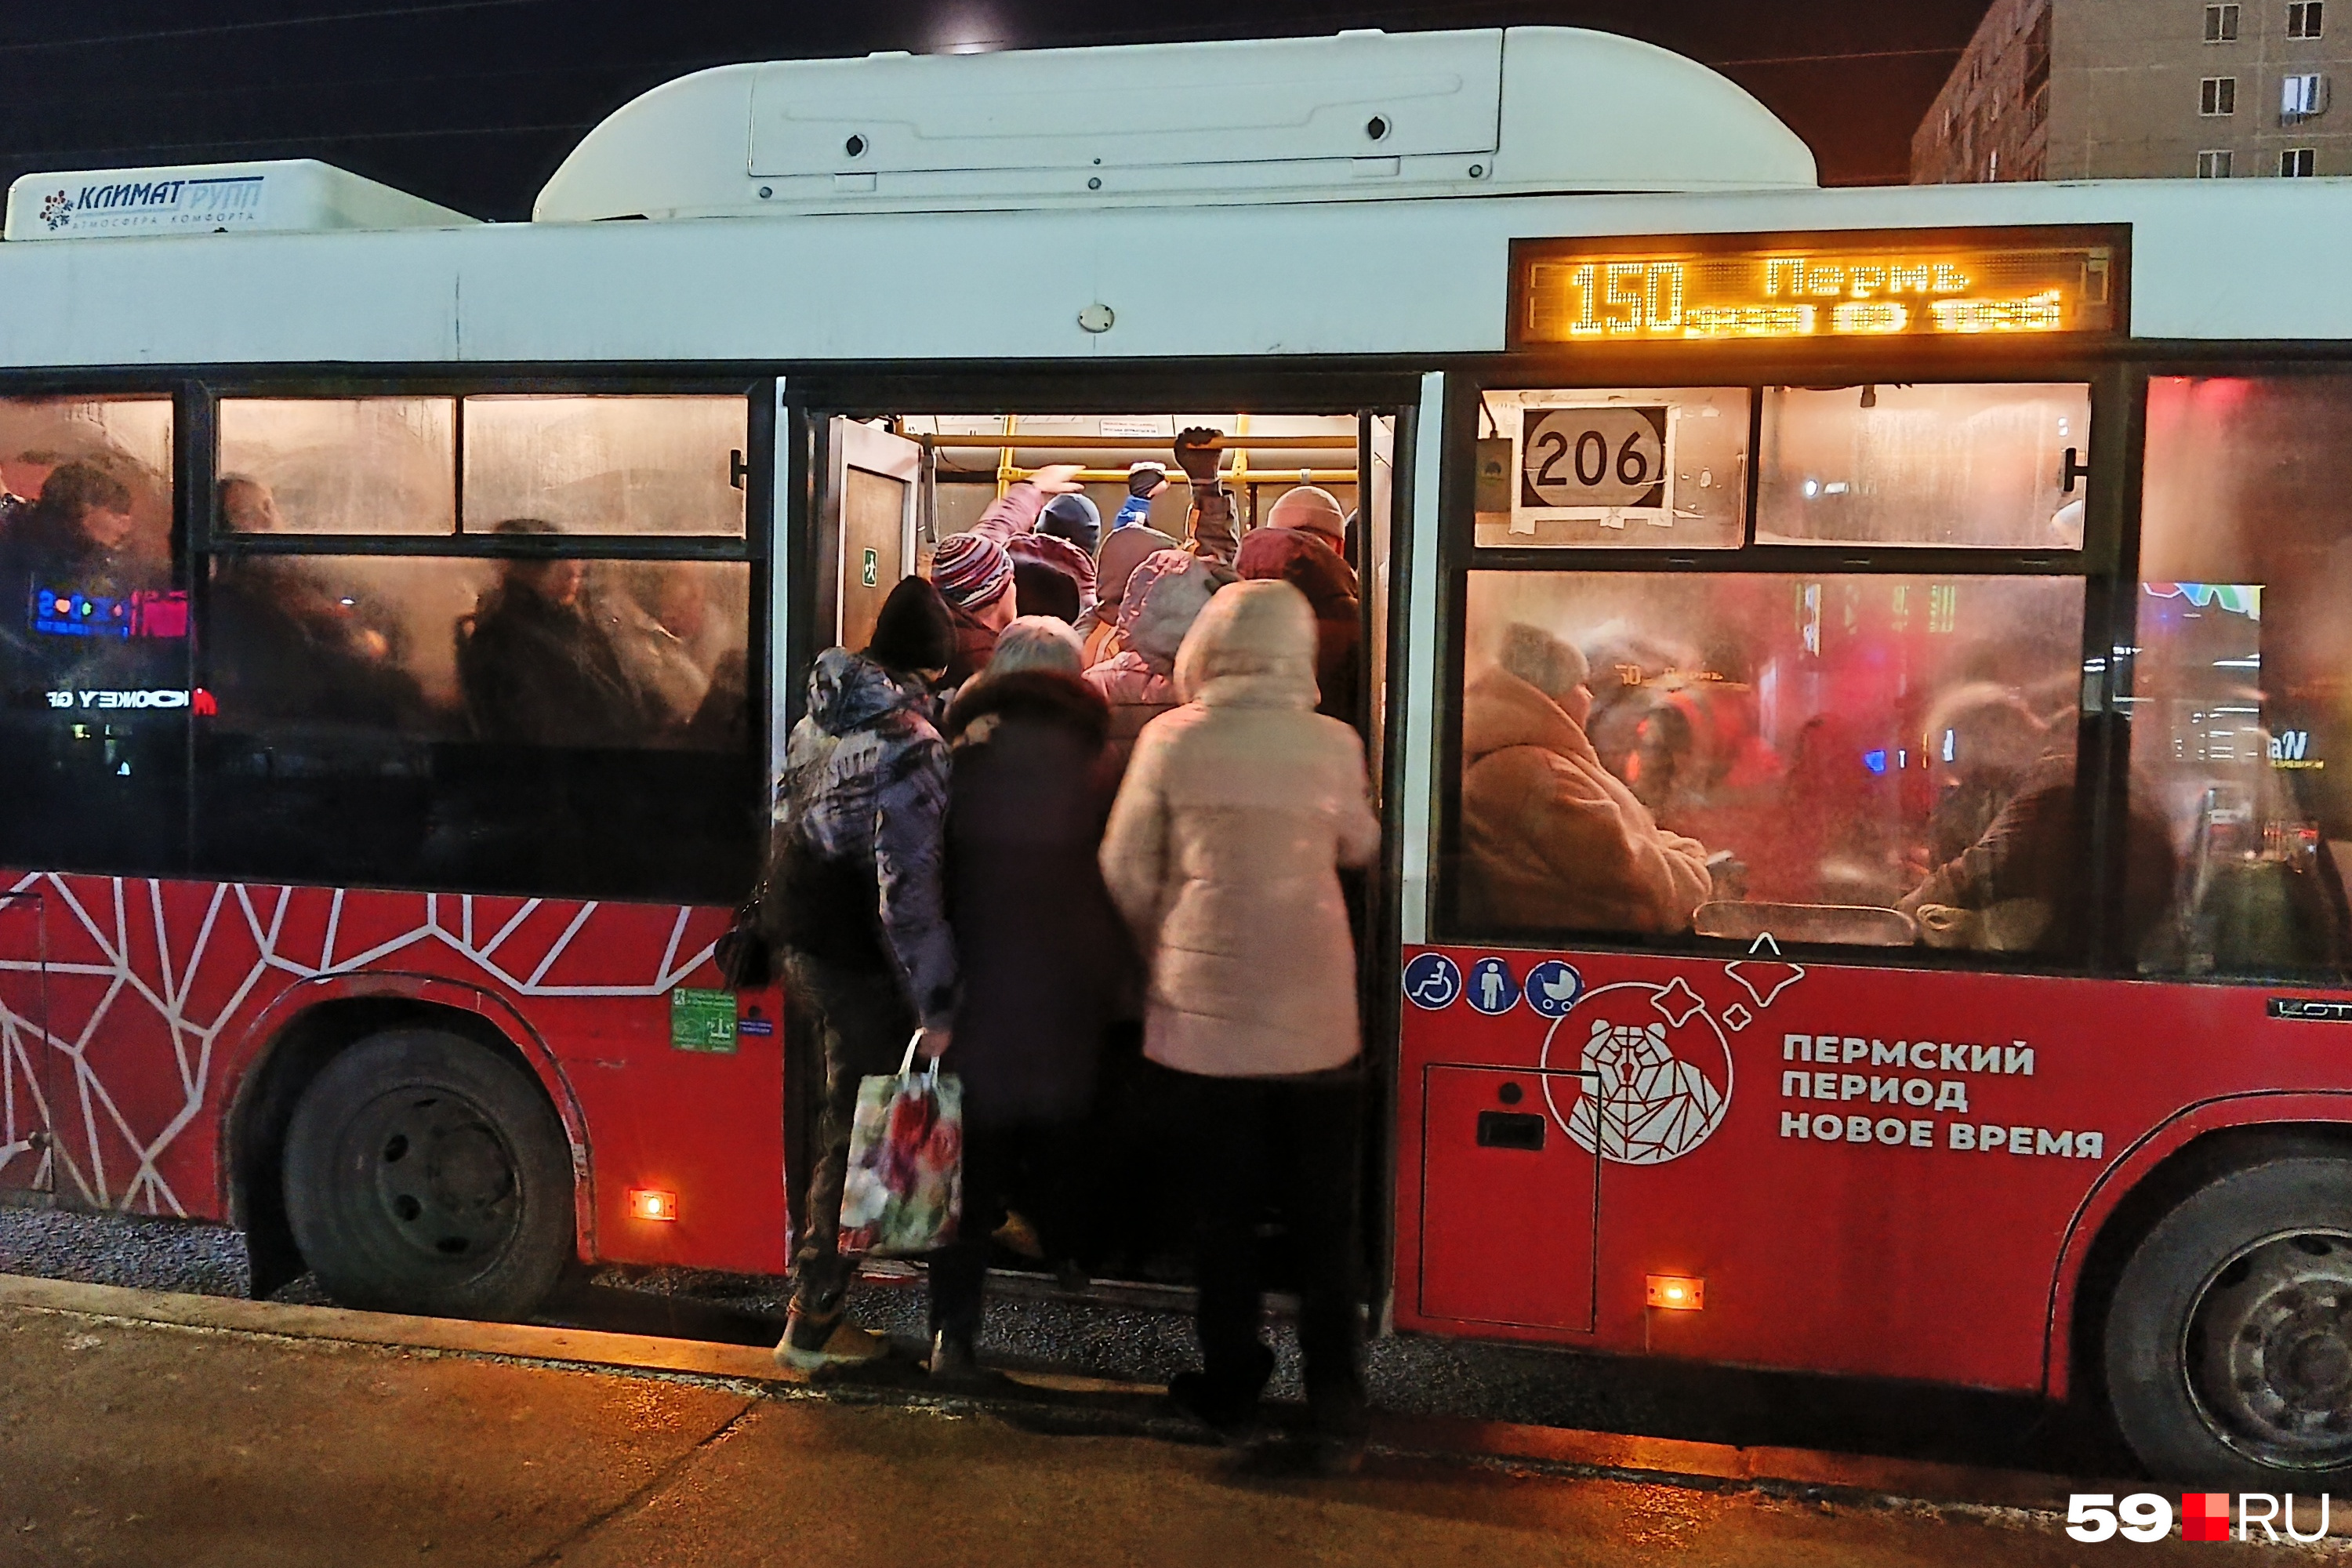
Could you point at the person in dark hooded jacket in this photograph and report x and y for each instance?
(71, 541)
(538, 668)
(855, 877)
(1045, 958)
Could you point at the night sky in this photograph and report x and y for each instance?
(474, 102)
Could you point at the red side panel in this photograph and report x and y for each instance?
(1513, 1201)
(1874, 1171)
(134, 1007)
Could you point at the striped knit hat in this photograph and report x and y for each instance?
(971, 570)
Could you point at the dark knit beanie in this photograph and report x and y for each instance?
(913, 631)
(1072, 517)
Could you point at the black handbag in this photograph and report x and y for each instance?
(746, 959)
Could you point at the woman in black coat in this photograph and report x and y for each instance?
(1044, 959)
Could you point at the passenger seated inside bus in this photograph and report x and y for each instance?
(2006, 796)
(1820, 744)
(1550, 838)
(73, 541)
(284, 645)
(538, 669)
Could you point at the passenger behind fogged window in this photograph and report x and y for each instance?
(2009, 873)
(538, 668)
(74, 538)
(1551, 839)
(283, 645)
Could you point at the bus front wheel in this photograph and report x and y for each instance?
(426, 1174)
(2229, 1343)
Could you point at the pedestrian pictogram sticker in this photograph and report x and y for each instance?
(1431, 982)
(870, 574)
(1492, 990)
(702, 1021)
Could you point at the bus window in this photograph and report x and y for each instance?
(607, 465)
(2241, 706)
(560, 725)
(1664, 468)
(1991, 467)
(94, 691)
(336, 465)
(1836, 758)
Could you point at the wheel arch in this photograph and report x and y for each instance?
(2144, 1182)
(286, 1047)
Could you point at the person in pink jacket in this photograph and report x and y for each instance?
(1164, 595)
(1551, 840)
(1223, 853)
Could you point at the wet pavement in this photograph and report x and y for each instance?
(1145, 1337)
(125, 1441)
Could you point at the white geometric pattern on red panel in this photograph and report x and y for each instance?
(116, 992)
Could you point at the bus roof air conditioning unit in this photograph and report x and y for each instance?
(285, 195)
(1362, 115)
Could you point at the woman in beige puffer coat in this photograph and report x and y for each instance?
(1224, 852)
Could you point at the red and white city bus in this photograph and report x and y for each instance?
(1955, 574)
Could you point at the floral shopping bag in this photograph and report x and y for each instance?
(904, 1192)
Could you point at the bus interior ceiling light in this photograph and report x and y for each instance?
(1490, 111)
(650, 1202)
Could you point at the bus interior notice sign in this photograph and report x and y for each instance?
(2001, 284)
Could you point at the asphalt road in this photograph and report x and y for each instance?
(1032, 1325)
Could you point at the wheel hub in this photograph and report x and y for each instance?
(2270, 1362)
(444, 1180)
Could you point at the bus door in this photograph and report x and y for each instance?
(870, 506)
(891, 488)
(25, 1079)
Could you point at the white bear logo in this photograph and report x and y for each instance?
(1642, 1107)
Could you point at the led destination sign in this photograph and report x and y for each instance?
(1586, 293)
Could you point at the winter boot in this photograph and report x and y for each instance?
(812, 1343)
(953, 1363)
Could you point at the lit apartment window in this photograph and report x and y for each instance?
(2294, 164)
(2302, 97)
(2218, 95)
(2221, 24)
(2303, 20)
(2213, 165)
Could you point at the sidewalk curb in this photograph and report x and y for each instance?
(1801, 1473)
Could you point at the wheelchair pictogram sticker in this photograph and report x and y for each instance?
(1432, 981)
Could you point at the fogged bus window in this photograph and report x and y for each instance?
(607, 465)
(94, 688)
(1614, 466)
(2240, 684)
(1978, 467)
(324, 464)
(542, 725)
(1878, 760)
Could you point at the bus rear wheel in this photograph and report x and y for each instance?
(426, 1174)
(2229, 1344)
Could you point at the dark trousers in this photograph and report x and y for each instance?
(1251, 1149)
(863, 1024)
(1028, 1165)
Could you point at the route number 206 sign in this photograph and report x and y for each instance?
(1609, 458)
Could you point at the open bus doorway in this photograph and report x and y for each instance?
(893, 486)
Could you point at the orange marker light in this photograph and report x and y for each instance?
(1677, 1293)
(645, 1202)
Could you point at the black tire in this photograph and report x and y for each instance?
(427, 1174)
(2229, 1344)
